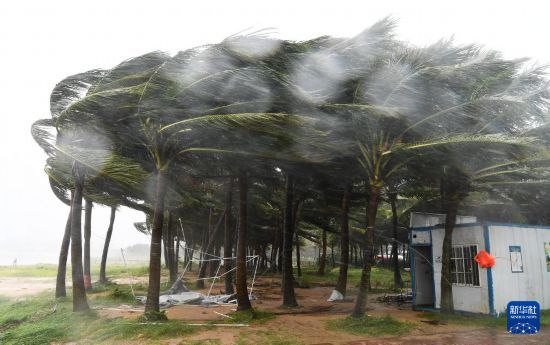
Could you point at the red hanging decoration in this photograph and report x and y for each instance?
(484, 259)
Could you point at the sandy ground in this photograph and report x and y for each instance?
(20, 287)
(307, 323)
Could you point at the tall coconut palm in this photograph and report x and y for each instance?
(103, 265)
(87, 239)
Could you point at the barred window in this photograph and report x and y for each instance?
(464, 270)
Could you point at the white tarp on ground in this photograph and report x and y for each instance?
(195, 298)
(181, 298)
(335, 296)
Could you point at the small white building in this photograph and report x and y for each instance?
(521, 271)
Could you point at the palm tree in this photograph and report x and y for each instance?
(228, 237)
(63, 166)
(397, 280)
(289, 298)
(103, 265)
(79, 292)
(344, 241)
(87, 238)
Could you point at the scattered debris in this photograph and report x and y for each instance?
(194, 298)
(399, 299)
(335, 296)
(176, 288)
(227, 316)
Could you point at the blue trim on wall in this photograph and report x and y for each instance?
(433, 269)
(489, 271)
(411, 261)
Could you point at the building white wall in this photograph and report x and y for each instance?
(534, 282)
(473, 299)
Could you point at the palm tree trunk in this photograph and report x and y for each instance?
(216, 251)
(323, 258)
(332, 259)
(60, 290)
(87, 238)
(153, 291)
(171, 254)
(341, 285)
(447, 304)
(191, 251)
(298, 264)
(295, 222)
(204, 244)
(228, 238)
(355, 251)
(243, 302)
(372, 208)
(165, 246)
(208, 249)
(405, 255)
(102, 267)
(397, 280)
(289, 298)
(79, 292)
(178, 239)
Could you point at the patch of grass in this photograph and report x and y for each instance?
(249, 316)
(3, 300)
(119, 270)
(110, 294)
(368, 325)
(267, 338)
(50, 270)
(38, 270)
(42, 320)
(120, 329)
(381, 278)
(141, 289)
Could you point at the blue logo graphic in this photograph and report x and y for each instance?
(523, 317)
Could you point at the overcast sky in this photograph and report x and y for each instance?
(44, 41)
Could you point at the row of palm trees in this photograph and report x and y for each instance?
(311, 134)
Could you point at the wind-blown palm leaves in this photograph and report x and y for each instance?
(412, 100)
(366, 108)
(74, 153)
